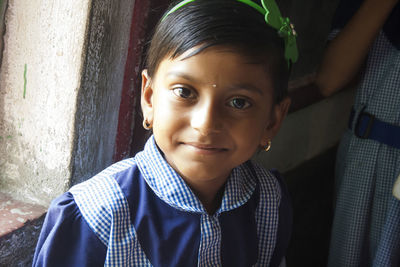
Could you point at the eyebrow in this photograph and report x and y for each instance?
(237, 87)
(248, 87)
(183, 75)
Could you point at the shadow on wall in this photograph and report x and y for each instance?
(312, 21)
(3, 7)
(311, 188)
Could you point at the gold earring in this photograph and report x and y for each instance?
(146, 124)
(268, 146)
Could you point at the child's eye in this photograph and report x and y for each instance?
(239, 103)
(183, 92)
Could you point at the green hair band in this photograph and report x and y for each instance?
(273, 18)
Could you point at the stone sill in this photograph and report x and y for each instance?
(14, 214)
(20, 225)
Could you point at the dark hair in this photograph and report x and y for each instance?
(206, 23)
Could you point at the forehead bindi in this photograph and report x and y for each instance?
(217, 67)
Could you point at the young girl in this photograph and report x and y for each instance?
(214, 92)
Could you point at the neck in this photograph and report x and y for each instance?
(209, 193)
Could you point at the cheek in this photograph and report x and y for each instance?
(162, 108)
(249, 132)
(167, 118)
(255, 130)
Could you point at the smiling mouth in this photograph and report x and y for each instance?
(205, 148)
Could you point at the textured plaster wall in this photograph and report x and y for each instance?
(61, 83)
(100, 94)
(39, 83)
(3, 6)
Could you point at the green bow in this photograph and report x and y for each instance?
(285, 29)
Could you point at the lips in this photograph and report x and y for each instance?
(204, 148)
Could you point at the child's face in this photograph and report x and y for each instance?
(210, 112)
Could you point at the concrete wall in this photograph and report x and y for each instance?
(39, 82)
(3, 6)
(100, 94)
(60, 84)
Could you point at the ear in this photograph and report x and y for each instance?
(146, 99)
(278, 113)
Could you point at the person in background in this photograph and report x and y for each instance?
(365, 44)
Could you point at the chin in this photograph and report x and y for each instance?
(206, 175)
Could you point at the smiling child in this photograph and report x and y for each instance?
(213, 93)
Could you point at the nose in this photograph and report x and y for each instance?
(206, 118)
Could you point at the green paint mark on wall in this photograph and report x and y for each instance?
(25, 70)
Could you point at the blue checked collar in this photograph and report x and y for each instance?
(171, 188)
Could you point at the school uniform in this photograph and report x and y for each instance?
(140, 212)
(366, 225)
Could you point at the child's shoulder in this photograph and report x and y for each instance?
(272, 185)
(271, 179)
(113, 172)
(118, 168)
(106, 183)
(103, 196)
(105, 189)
